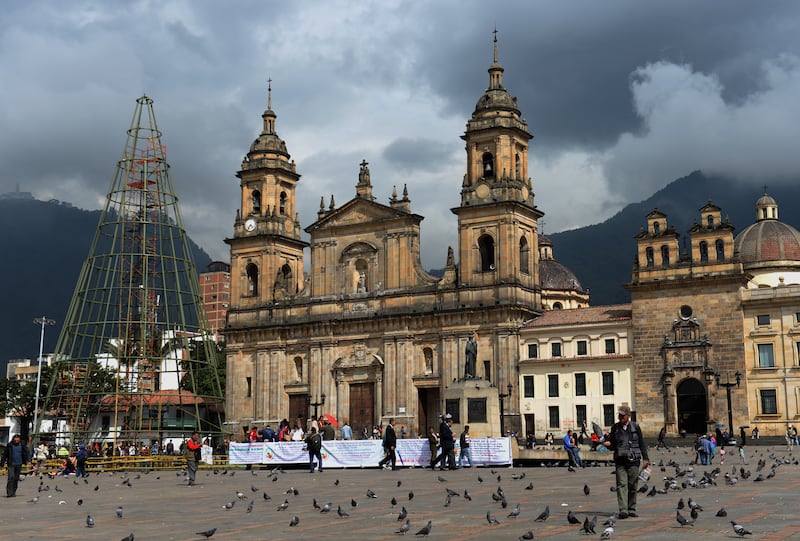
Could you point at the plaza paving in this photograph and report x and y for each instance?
(159, 505)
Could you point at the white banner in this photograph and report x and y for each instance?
(207, 454)
(364, 453)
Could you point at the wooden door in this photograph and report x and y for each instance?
(298, 408)
(362, 408)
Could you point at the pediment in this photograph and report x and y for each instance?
(358, 211)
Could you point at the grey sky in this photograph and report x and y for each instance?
(621, 96)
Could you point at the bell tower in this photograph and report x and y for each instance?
(266, 248)
(497, 218)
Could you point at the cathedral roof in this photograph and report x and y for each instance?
(768, 240)
(554, 275)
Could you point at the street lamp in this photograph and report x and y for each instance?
(315, 405)
(728, 386)
(502, 415)
(39, 321)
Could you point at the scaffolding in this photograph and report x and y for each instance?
(135, 362)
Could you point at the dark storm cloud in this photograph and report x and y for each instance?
(621, 96)
(411, 155)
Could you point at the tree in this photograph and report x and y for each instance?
(21, 400)
(204, 372)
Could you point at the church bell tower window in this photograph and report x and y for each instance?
(488, 165)
(255, 199)
(720, 245)
(524, 255)
(703, 251)
(283, 203)
(486, 247)
(648, 253)
(665, 255)
(252, 280)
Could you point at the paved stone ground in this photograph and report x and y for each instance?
(159, 505)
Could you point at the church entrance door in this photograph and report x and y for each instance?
(362, 408)
(298, 409)
(692, 406)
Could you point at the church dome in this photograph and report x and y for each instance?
(554, 275)
(768, 240)
(269, 142)
(494, 99)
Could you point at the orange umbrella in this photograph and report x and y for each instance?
(331, 419)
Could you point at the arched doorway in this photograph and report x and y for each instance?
(692, 406)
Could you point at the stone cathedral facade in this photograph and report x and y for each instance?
(368, 331)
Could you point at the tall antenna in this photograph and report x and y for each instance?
(135, 360)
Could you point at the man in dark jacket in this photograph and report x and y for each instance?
(15, 455)
(448, 443)
(389, 444)
(630, 454)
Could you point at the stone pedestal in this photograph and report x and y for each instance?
(473, 402)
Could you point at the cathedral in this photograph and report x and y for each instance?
(367, 334)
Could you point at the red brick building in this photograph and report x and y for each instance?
(215, 287)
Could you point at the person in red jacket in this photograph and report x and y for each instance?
(192, 455)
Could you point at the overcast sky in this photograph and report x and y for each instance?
(621, 96)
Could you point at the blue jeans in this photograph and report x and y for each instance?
(81, 469)
(311, 455)
(465, 453)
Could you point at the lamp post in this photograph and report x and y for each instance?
(502, 410)
(39, 321)
(315, 405)
(728, 386)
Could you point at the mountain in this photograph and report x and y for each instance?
(602, 255)
(45, 245)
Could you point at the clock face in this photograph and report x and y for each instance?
(482, 191)
(250, 225)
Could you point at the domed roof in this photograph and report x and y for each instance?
(496, 98)
(544, 241)
(554, 275)
(269, 142)
(768, 240)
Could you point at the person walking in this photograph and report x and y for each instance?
(41, 453)
(389, 445)
(347, 431)
(433, 445)
(662, 434)
(464, 441)
(314, 447)
(448, 443)
(630, 454)
(191, 452)
(15, 455)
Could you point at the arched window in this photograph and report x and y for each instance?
(764, 213)
(558, 306)
(665, 255)
(427, 353)
(710, 220)
(282, 208)
(486, 247)
(524, 255)
(252, 280)
(656, 228)
(648, 253)
(720, 245)
(255, 199)
(488, 165)
(517, 167)
(703, 251)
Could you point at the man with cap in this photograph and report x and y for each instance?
(630, 454)
(448, 443)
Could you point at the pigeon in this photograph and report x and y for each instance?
(683, 521)
(341, 512)
(480, 479)
(399, 484)
(80, 502)
(467, 496)
(497, 497)
(326, 508)
(34, 499)
(426, 530)
(403, 513)
(89, 521)
(393, 501)
(543, 515)
(128, 537)
(447, 501)
(267, 497)
(681, 505)
(119, 512)
(607, 533)
(284, 506)
(694, 514)
(295, 520)
(336, 483)
(441, 479)
(527, 535)
(739, 529)
(253, 488)
(58, 489)
(490, 519)
(722, 512)
(530, 486)
(572, 519)
(207, 533)
(314, 504)
(353, 503)
(404, 527)
(694, 505)
(96, 488)
(586, 490)
(515, 512)
(250, 506)
(451, 492)
(371, 494)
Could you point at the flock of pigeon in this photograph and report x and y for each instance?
(678, 480)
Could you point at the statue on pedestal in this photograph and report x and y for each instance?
(471, 352)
